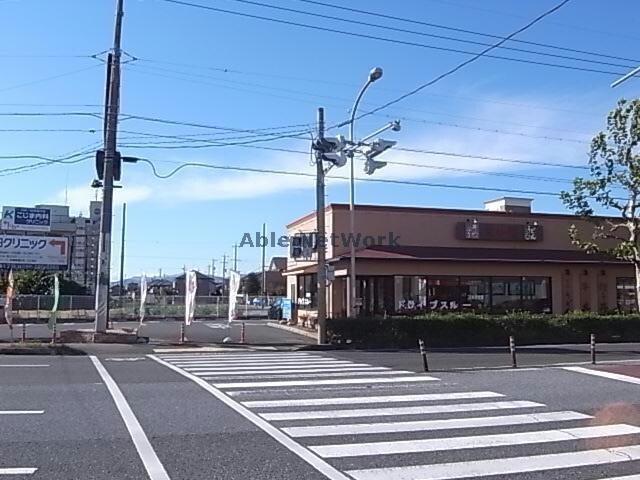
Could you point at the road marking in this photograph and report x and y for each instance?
(241, 356)
(475, 441)
(267, 363)
(383, 412)
(627, 477)
(287, 369)
(427, 397)
(501, 466)
(278, 375)
(341, 381)
(26, 366)
(600, 373)
(147, 454)
(308, 456)
(17, 471)
(21, 412)
(432, 425)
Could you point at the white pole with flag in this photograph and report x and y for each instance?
(234, 286)
(191, 287)
(53, 317)
(8, 302)
(143, 296)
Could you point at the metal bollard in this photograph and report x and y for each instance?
(24, 332)
(182, 335)
(423, 354)
(242, 330)
(54, 333)
(512, 350)
(593, 348)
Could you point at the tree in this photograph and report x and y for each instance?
(251, 284)
(614, 184)
(38, 282)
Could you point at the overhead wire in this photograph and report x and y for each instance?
(463, 30)
(431, 35)
(461, 65)
(396, 41)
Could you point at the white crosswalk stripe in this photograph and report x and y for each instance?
(446, 432)
(17, 471)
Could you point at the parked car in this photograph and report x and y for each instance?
(259, 302)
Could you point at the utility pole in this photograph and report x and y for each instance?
(124, 225)
(235, 257)
(110, 143)
(213, 267)
(224, 271)
(264, 253)
(320, 240)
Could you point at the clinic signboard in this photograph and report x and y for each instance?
(30, 251)
(26, 219)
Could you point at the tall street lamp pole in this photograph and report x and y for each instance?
(626, 77)
(374, 74)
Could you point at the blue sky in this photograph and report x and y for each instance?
(243, 73)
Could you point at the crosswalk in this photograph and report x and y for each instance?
(353, 420)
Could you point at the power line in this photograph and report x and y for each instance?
(431, 35)
(396, 41)
(333, 97)
(453, 70)
(313, 175)
(462, 30)
(46, 79)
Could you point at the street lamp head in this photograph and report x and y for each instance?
(375, 74)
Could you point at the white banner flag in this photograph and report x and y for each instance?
(234, 286)
(191, 286)
(8, 301)
(143, 296)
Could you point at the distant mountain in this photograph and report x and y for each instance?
(170, 278)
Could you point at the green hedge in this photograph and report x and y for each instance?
(472, 330)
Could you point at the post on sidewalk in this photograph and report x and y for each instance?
(423, 354)
(512, 351)
(593, 348)
(242, 332)
(23, 339)
(182, 333)
(54, 333)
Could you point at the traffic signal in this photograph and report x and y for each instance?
(332, 149)
(117, 165)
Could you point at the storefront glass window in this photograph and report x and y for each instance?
(506, 294)
(444, 294)
(626, 294)
(376, 294)
(475, 294)
(410, 293)
(536, 294)
(307, 291)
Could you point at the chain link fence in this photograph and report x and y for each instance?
(82, 307)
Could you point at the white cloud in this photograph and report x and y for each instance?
(78, 198)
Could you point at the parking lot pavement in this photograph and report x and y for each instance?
(351, 419)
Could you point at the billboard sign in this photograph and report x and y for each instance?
(29, 251)
(28, 219)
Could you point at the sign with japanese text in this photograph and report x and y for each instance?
(22, 218)
(29, 251)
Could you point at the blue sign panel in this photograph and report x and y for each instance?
(286, 308)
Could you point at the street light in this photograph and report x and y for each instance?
(625, 77)
(374, 75)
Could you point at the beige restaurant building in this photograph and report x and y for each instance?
(502, 258)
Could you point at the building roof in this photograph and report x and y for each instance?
(435, 210)
(513, 255)
(278, 263)
(199, 276)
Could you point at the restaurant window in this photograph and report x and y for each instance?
(626, 294)
(376, 294)
(475, 294)
(536, 294)
(444, 294)
(506, 294)
(307, 291)
(410, 293)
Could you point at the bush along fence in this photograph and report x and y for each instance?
(472, 330)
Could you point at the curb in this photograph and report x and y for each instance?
(56, 349)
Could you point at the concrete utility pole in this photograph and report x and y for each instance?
(320, 241)
(264, 253)
(122, 240)
(110, 143)
(235, 257)
(213, 267)
(224, 271)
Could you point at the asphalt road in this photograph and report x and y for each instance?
(312, 415)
